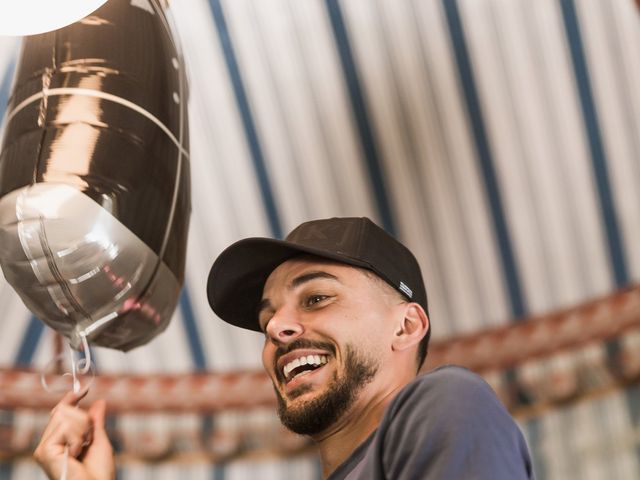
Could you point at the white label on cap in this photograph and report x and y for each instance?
(406, 290)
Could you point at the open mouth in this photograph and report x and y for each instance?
(303, 366)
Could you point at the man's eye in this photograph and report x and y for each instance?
(312, 300)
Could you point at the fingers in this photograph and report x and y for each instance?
(68, 426)
(98, 458)
(72, 398)
(97, 413)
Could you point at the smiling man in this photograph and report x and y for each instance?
(343, 310)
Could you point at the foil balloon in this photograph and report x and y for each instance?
(94, 176)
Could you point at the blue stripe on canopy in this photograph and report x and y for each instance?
(596, 146)
(485, 157)
(359, 106)
(247, 118)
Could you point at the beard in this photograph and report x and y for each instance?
(315, 416)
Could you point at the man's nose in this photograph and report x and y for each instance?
(284, 326)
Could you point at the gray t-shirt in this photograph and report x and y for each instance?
(446, 424)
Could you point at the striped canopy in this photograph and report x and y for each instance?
(499, 139)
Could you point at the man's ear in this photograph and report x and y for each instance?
(412, 328)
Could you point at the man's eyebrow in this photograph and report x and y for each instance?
(307, 277)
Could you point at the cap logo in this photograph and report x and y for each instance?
(406, 290)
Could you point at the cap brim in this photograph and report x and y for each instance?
(237, 277)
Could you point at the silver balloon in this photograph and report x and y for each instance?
(94, 176)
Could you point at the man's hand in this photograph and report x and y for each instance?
(90, 452)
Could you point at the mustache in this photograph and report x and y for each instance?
(301, 343)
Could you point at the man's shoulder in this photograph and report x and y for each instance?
(450, 374)
(443, 424)
(448, 380)
(448, 393)
(451, 418)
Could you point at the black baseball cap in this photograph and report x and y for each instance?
(238, 275)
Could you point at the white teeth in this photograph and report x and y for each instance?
(295, 363)
(304, 372)
(307, 360)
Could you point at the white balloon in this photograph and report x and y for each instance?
(29, 17)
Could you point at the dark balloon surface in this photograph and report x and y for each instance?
(94, 176)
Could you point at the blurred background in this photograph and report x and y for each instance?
(499, 139)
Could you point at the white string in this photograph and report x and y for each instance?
(76, 390)
(82, 367)
(87, 356)
(74, 372)
(65, 463)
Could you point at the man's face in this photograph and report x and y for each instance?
(327, 331)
